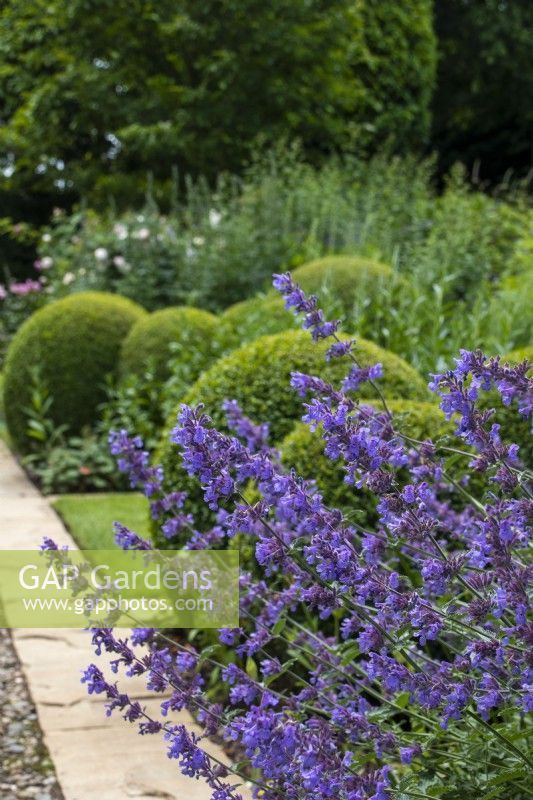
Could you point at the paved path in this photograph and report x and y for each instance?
(94, 756)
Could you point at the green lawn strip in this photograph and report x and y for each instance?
(90, 517)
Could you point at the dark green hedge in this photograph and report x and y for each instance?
(336, 75)
(74, 343)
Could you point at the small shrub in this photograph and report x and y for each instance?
(76, 464)
(470, 239)
(75, 342)
(183, 332)
(134, 403)
(259, 316)
(60, 463)
(136, 255)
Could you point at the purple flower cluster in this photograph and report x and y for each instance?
(362, 654)
(162, 671)
(313, 316)
(460, 389)
(255, 436)
(135, 460)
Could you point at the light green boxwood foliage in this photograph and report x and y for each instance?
(182, 331)
(518, 355)
(303, 450)
(344, 280)
(257, 375)
(259, 316)
(74, 342)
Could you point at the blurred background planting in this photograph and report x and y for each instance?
(455, 264)
(96, 96)
(176, 154)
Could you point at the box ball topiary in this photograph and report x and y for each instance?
(345, 279)
(303, 450)
(149, 342)
(257, 375)
(258, 316)
(74, 343)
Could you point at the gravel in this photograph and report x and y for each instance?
(26, 771)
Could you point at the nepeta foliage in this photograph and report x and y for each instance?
(369, 664)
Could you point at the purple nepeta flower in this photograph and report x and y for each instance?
(140, 636)
(359, 375)
(255, 436)
(295, 298)
(133, 459)
(93, 677)
(340, 349)
(128, 540)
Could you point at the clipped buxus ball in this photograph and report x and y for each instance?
(183, 333)
(258, 316)
(345, 280)
(257, 375)
(73, 344)
(303, 451)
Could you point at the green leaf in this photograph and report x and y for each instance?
(251, 669)
(279, 627)
(509, 775)
(402, 700)
(207, 652)
(350, 654)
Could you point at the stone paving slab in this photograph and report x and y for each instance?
(53, 658)
(95, 756)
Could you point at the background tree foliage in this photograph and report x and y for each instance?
(483, 106)
(95, 93)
